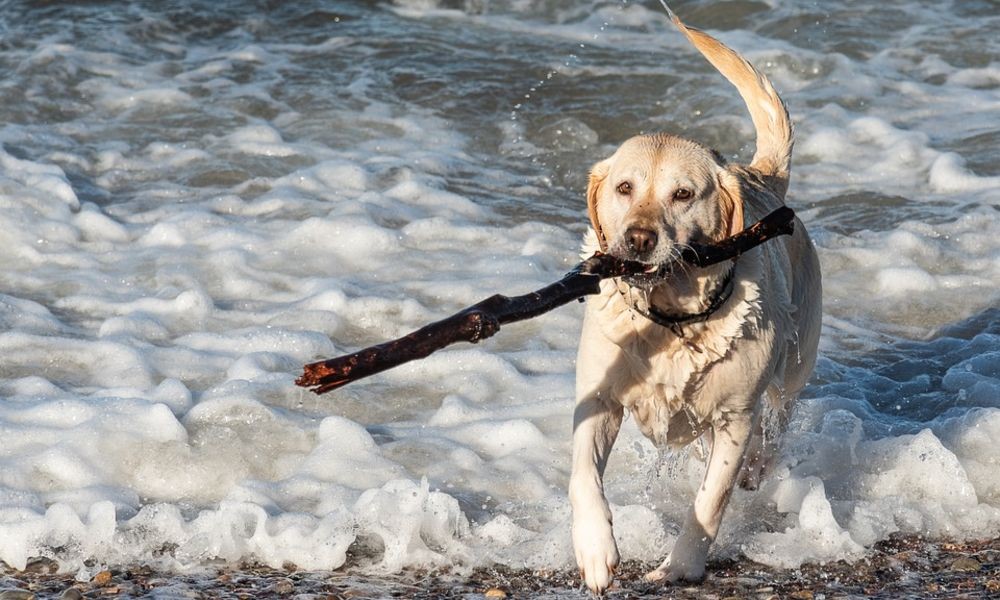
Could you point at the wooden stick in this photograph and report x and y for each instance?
(484, 319)
(780, 221)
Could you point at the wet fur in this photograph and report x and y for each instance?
(723, 377)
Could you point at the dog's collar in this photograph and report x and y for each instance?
(676, 321)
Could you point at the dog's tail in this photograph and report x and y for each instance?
(770, 117)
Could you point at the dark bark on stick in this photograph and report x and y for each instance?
(484, 319)
(781, 221)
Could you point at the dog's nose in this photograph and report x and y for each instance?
(641, 241)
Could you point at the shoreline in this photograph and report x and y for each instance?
(902, 567)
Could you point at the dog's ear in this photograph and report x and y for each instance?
(731, 200)
(598, 174)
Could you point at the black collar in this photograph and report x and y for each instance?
(675, 321)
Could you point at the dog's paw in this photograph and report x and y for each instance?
(670, 573)
(685, 563)
(596, 552)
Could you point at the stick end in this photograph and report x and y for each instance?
(786, 217)
(314, 375)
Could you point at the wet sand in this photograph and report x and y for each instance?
(906, 567)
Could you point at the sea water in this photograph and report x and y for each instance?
(197, 198)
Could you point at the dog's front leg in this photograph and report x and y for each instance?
(596, 422)
(687, 559)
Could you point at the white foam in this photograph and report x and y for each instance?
(986, 77)
(947, 265)
(815, 537)
(259, 139)
(43, 187)
(948, 174)
(117, 98)
(28, 316)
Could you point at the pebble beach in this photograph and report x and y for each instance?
(903, 568)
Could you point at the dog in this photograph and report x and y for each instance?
(721, 351)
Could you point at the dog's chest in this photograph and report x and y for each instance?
(662, 377)
(662, 391)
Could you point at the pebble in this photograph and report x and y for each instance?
(41, 564)
(801, 595)
(495, 593)
(102, 579)
(992, 585)
(71, 594)
(967, 564)
(284, 586)
(16, 595)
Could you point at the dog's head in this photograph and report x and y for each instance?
(659, 192)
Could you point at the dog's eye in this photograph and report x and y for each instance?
(683, 194)
(624, 188)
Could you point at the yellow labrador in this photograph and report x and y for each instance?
(691, 351)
